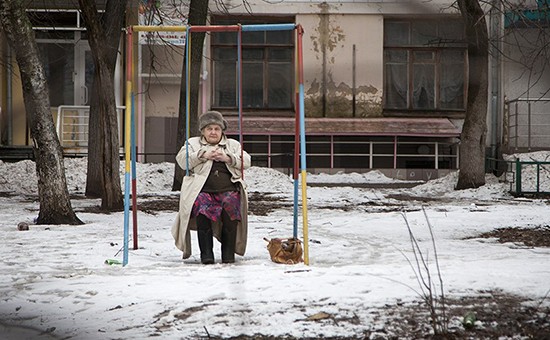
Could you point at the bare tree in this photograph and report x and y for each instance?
(104, 32)
(474, 131)
(431, 292)
(524, 44)
(198, 10)
(55, 204)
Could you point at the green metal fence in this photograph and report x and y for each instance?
(530, 178)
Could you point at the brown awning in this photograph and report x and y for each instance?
(419, 127)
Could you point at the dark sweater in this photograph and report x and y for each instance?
(219, 179)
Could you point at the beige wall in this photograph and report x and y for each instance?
(161, 68)
(162, 100)
(329, 68)
(392, 7)
(331, 30)
(522, 46)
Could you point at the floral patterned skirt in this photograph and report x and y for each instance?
(211, 204)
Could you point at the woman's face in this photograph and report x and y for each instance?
(212, 133)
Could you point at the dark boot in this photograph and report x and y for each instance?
(229, 238)
(204, 233)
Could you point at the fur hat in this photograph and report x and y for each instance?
(212, 117)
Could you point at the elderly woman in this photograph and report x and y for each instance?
(213, 198)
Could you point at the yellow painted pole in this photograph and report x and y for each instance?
(304, 217)
(128, 112)
(127, 125)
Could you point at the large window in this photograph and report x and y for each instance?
(268, 68)
(424, 65)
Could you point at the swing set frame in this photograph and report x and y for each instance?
(129, 119)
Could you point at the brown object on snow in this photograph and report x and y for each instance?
(285, 250)
(22, 226)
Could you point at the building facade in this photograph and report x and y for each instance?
(385, 83)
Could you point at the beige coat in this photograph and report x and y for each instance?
(199, 168)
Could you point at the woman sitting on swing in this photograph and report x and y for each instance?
(213, 197)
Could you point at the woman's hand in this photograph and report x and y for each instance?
(217, 154)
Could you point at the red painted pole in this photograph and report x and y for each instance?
(299, 80)
(130, 71)
(215, 28)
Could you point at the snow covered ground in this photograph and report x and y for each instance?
(55, 283)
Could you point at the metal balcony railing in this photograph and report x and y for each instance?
(72, 127)
(528, 124)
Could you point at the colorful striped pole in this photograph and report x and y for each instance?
(127, 146)
(296, 172)
(303, 144)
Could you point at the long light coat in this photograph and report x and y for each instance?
(199, 169)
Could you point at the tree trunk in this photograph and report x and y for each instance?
(55, 204)
(198, 10)
(474, 131)
(104, 32)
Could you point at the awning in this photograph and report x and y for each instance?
(416, 127)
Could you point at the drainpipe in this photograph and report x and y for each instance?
(496, 85)
(324, 33)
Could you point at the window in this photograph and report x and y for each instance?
(268, 67)
(424, 65)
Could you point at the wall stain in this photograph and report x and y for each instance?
(325, 98)
(327, 36)
(339, 100)
(314, 88)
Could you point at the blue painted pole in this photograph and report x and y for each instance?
(126, 217)
(296, 171)
(187, 94)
